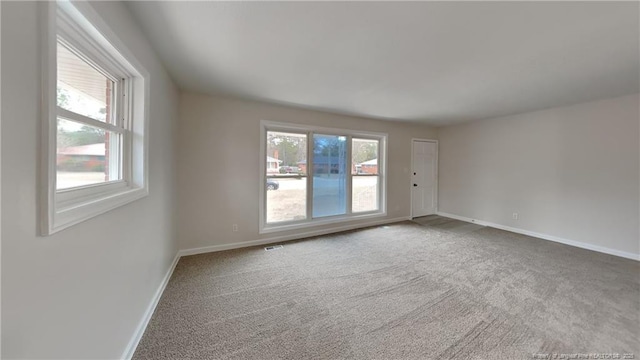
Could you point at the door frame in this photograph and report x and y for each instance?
(437, 166)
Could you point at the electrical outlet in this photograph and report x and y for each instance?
(515, 216)
(235, 227)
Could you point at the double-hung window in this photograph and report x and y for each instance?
(95, 101)
(317, 176)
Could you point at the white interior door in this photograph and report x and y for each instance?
(424, 178)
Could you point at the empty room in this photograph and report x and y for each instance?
(320, 180)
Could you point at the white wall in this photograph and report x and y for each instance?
(570, 172)
(219, 158)
(81, 292)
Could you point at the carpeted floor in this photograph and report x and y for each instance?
(431, 289)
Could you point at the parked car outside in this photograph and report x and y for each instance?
(289, 170)
(272, 184)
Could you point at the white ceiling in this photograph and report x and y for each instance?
(435, 62)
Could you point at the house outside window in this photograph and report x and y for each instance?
(95, 107)
(331, 175)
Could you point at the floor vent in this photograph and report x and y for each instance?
(273, 247)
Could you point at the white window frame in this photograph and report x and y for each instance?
(78, 24)
(351, 176)
(309, 221)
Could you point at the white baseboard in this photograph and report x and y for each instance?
(557, 239)
(133, 343)
(142, 326)
(298, 235)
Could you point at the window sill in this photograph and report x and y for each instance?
(78, 212)
(272, 228)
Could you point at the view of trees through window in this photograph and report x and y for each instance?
(286, 176)
(329, 175)
(85, 153)
(364, 194)
(333, 172)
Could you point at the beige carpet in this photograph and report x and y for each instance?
(435, 290)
